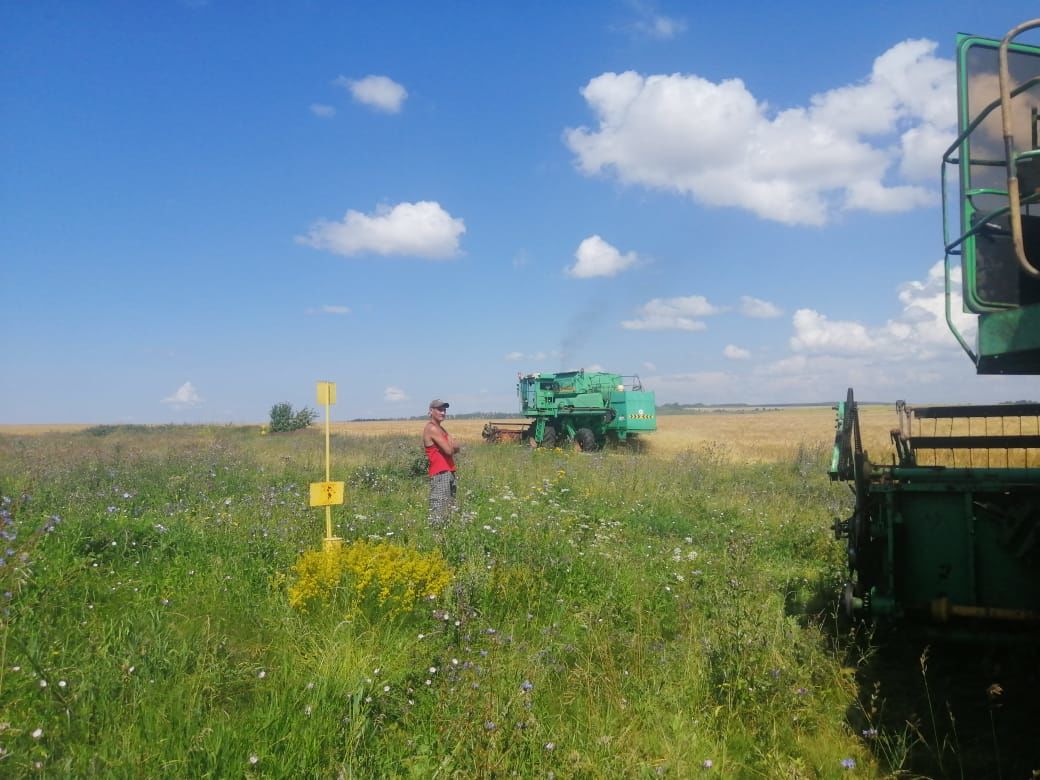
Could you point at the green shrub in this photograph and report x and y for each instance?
(284, 419)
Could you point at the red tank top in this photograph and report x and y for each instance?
(438, 460)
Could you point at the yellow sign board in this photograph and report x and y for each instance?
(326, 493)
(326, 393)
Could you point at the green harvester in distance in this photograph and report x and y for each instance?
(948, 534)
(588, 408)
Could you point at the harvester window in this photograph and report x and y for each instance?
(992, 275)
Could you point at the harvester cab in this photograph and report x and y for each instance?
(996, 158)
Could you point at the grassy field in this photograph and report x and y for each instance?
(168, 610)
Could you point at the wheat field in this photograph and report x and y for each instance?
(743, 435)
(740, 435)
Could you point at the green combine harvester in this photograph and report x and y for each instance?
(588, 408)
(949, 531)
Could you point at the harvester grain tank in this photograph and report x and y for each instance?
(949, 532)
(588, 408)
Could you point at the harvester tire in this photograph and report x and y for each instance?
(586, 439)
(549, 436)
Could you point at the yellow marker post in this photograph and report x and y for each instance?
(327, 493)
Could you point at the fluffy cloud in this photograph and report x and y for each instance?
(330, 310)
(394, 394)
(673, 314)
(718, 144)
(379, 92)
(184, 397)
(911, 355)
(595, 257)
(919, 332)
(422, 229)
(758, 309)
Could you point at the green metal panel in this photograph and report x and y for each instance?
(636, 411)
(1009, 341)
(945, 539)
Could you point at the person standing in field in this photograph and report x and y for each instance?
(440, 449)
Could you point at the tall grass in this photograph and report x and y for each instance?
(610, 615)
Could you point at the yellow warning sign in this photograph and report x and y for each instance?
(326, 493)
(326, 393)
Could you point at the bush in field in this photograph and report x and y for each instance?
(386, 577)
(284, 419)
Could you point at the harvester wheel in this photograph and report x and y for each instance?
(549, 436)
(586, 439)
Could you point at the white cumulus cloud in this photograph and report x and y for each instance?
(734, 352)
(183, 397)
(720, 145)
(595, 257)
(920, 330)
(422, 229)
(379, 92)
(394, 394)
(758, 309)
(683, 313)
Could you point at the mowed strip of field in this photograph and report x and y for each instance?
(743, 435)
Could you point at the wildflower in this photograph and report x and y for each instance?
(37, 733)
(848, 763)
(489, 725)
(870, 733)
(386, 689)
(62, 683)
(43, 683)
(708, 763)
(801, 691)
(550, 746)
(261, 674)
(254, 759)
(308, 710)
(526, 685)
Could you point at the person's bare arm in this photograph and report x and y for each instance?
(444, 440)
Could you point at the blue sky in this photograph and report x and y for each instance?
(210, 206)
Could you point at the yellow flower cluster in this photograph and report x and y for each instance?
(387, 576)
